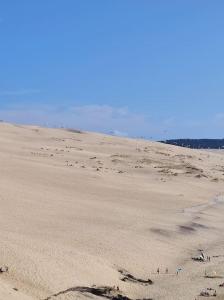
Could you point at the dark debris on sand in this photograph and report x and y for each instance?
(128, 277)
(104, 291)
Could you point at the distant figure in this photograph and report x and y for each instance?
(158, 271)
(167, 271)
(178, 270)
(4, 269)
(202, 254)
(118, 288)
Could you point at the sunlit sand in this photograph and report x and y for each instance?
(81, 211)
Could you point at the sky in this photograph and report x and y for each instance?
(138, 68)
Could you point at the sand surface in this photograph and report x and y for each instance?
(82, 210)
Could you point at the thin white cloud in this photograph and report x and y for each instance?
(21, 92)
(118, 133)
(113, 120)
(101, 118)
(109, 119)
(219, 117)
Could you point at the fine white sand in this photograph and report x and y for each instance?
(78, 207)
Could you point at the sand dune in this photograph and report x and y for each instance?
(80, 211)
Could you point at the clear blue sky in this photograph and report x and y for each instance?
(152, 68)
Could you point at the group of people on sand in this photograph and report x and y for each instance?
(167, 271)
(209, 292)
(116, 288)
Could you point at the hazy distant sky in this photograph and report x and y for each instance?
(152, 68)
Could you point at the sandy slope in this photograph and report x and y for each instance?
(77, 207)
